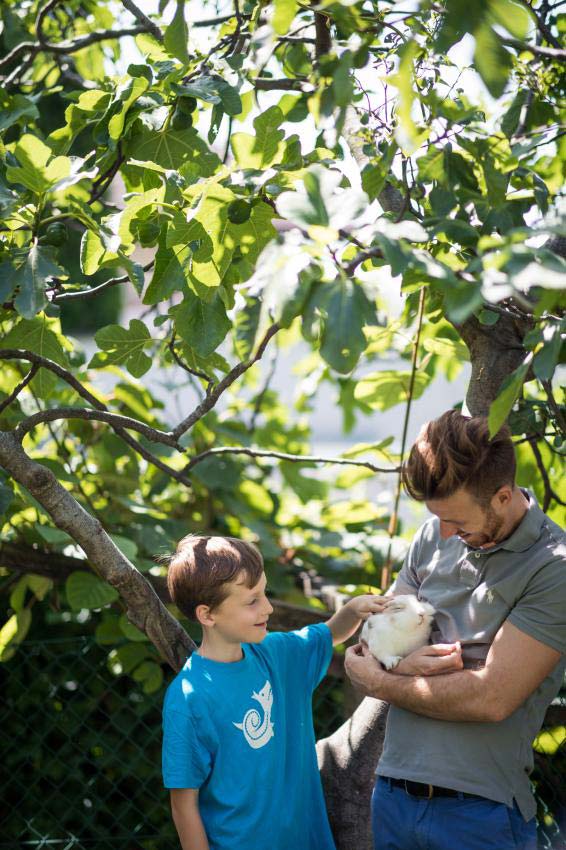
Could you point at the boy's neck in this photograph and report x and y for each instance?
(219, 650)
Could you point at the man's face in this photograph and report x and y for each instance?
(242, 617)
(461, 514)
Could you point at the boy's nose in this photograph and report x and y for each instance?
(269, 609)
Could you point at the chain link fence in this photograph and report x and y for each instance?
(82, 754)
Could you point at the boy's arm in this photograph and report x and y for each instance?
(187, 819)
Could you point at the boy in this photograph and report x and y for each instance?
(238, 744)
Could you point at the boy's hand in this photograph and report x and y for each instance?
(364, 606)
(346, 621)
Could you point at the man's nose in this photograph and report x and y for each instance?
(447, 529)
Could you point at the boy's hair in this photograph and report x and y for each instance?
(202, 567)
(455, 452)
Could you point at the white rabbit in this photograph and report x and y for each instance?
(403, 626)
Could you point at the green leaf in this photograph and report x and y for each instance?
(283, 15)
(123, 346)
(458, 231)
(18, 594)
(265, 147)
(170, 273)
(488, 317)
(202, 325)
(36, 335)
(177, 35)
(347, 310)
(382, 390)
(150, 675)
(546, 359)
(125, 659)
(39, 585)
(85, 590)
(33, 156)
(173, 148)
(230, 99)
(31, 278)
(16, 109)
(514, 17)
(492, 61)
(8, 274)
(130, 631)
(320, 201)
(508, 394)
(14, 632)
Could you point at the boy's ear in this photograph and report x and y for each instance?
(204, 615)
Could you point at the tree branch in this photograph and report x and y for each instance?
(535, 49)
(283, 456)
(17, 390)
(116, 420)
(96, 290)
(542, 27)
(285, 84)
(146, 22)
(360, 258)
(144, 608)
(214, 394)
(34, 47)
(549, 493)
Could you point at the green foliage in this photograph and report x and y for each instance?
(249, 213)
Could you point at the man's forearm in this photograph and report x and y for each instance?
(456, 696)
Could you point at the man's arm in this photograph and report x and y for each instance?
(515, 666)
(187, 819)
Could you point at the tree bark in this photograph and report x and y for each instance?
(347, 761)
(495, 352)
(143, 607)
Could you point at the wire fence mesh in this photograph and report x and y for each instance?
(82, 754)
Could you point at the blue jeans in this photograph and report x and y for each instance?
(404, 822)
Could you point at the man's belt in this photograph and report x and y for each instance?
(425, 789)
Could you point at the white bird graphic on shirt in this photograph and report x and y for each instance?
(258, 731)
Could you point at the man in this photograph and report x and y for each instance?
(458, 744)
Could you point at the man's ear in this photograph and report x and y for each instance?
(503, 497)
(204, 615)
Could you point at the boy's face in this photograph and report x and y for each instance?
(242, 617)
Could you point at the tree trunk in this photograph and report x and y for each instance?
(144, 608)
(495, 352)
(347, 761)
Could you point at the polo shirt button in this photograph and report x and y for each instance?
(478, 555)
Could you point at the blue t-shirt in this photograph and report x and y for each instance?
(242, 733)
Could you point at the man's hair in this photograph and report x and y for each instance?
(202, 567)
(455, 452)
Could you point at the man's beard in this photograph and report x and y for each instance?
(489, 533)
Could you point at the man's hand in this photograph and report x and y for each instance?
(363, 670)
(431, 660)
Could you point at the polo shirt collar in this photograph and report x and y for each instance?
(527, 532)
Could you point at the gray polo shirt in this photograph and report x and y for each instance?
(523, 580)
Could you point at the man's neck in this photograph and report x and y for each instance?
(517, 512)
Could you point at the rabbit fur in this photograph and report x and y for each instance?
(402, 627)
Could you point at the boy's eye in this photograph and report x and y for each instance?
(253, 602)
